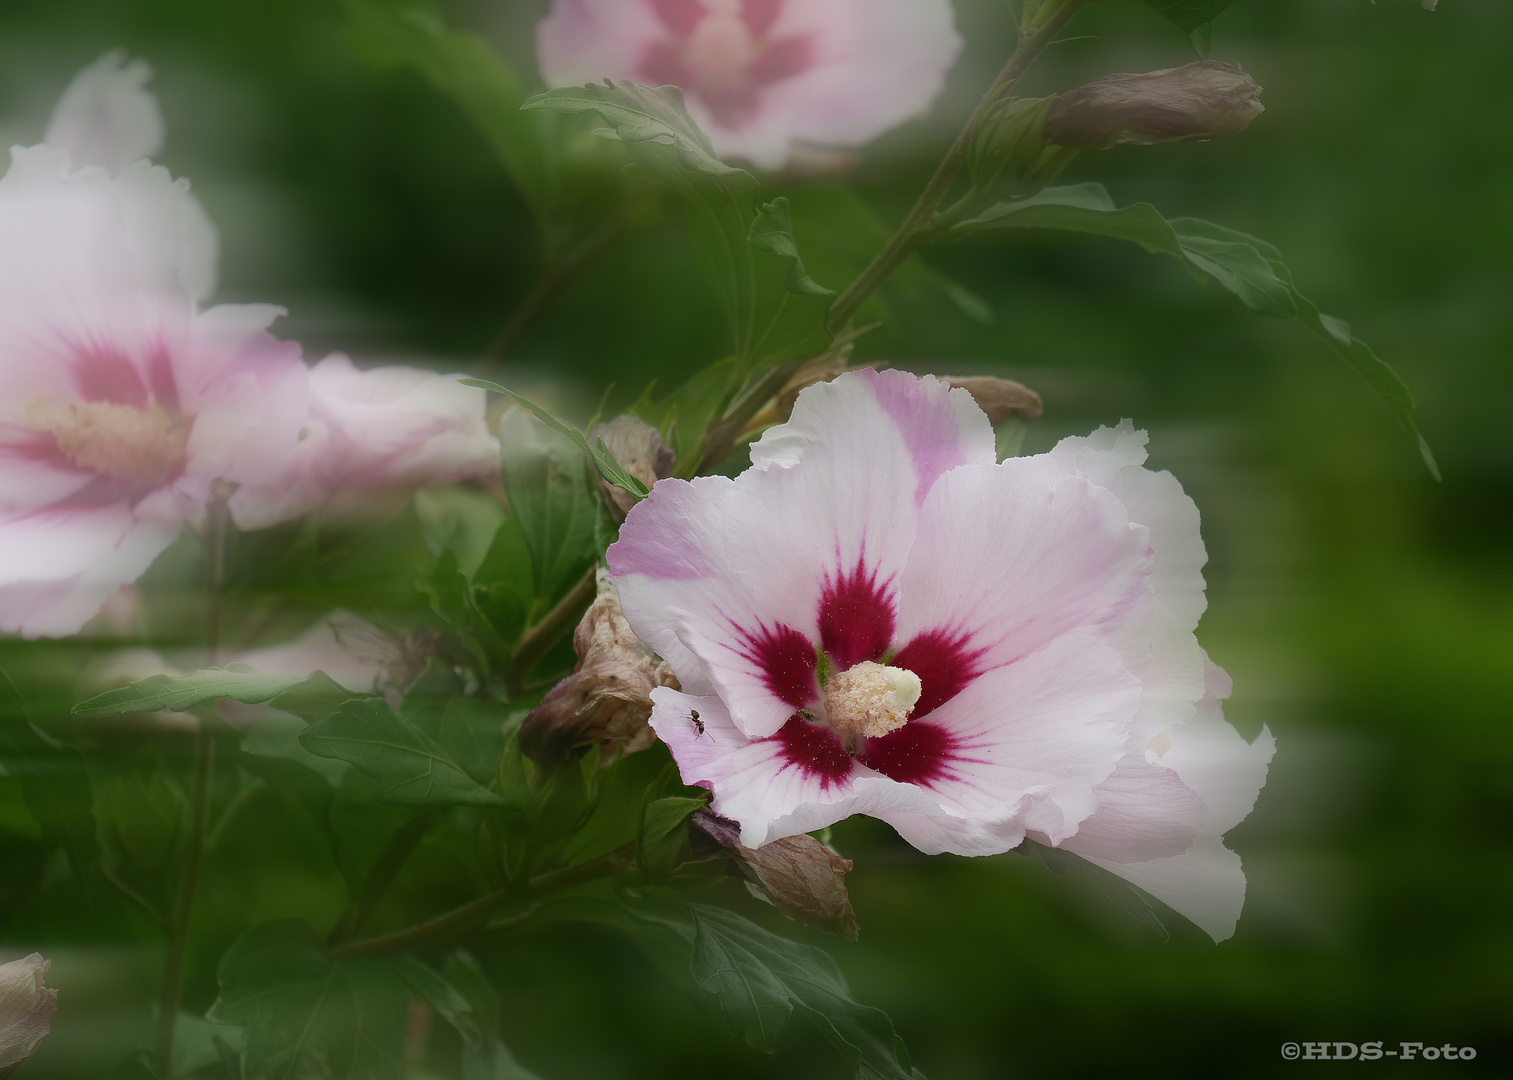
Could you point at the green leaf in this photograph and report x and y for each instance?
(1189, 15)
(55, 786)
(1249, 268)
(408, 766)
(176, 693)
(598, 454)
(775, 310)
(761, 979)
(647, 115)
(788, 319)
(664, 833)
(465, 67)
(503, 590)
(684, 416)
(306, 1016)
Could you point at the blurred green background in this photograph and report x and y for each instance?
(1365, 612)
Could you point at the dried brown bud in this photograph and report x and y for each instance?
(26, 1010)
(607, 699)
(1202, 100)
(802, 878)
(639, 449)
(999, 398)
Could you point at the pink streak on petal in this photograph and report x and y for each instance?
(787, 661)
(663, 65)
(927, 420)
(815, 749)
(917, 753)
(856, 617)
(783, 59)
(759, 15)
(680, 16)
(106, 376)
(944, 665)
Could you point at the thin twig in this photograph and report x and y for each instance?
(176, 950)
(396, 852)
(460, 921)
(919, 226)
(558, 273)
(536, 642)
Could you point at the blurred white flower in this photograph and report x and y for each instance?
(371, 439)
(26, 1010)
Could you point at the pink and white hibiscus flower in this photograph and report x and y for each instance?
(879, 618)
(371, 439)
(121, 403)
(760, 75)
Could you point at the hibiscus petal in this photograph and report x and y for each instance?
(760, 783)
(88, 556)
(1008, 557)
(106, 116)
(1205, 883)
(1114, 458)
(734, 582)
(1144, 812)
(1025, 746)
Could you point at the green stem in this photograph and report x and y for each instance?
(460, 921)
(559, 271)
(721, 437)
(920, 225)
(401, 845)
(176, 950)
(178, 934)
(536, 642)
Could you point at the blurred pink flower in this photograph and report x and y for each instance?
(761, 75)
(372, 438)
(879, 618)
(121, 403)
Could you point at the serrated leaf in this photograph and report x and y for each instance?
(646, 114)
(1249, 268)
(1189, 15)
(408, 767)
(775, 310)
(761, 980)
(305, 1015)
(55, 786)
(176, 693)
(599, 456)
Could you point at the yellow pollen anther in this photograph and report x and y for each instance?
(870, 699)
(120, 441)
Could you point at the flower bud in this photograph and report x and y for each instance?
(800, 876)
(639, 449)
(26, 1010)
(607, 698)
(1198, 101)
(999, 398)
(1010, 157)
